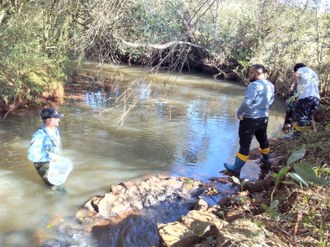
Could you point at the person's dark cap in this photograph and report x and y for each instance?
(50, 113)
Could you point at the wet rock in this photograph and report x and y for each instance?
(218, 189)
(201, 205)
(44, 233)
(199, 221)
(117, 189)
(112, 205)
(129, 197)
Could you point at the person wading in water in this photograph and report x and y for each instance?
(46, 146)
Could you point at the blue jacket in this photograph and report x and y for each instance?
(258, 97)
(44, 145)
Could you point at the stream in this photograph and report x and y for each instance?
(179, 125)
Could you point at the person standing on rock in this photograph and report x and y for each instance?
(46, 144)
(307, 82)
(253, 116)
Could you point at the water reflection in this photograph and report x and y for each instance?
(187, 129)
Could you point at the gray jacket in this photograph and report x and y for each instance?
(258, 97)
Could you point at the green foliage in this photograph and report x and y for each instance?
(322, 172)
(278, 179)
(327, 127)
(7, 90)
(298, 178)
(33, 58)
(222, 36)
(296, 155)
(272, 210)
(307, 174)
(303, 174)
(239, 182)
(157, 20)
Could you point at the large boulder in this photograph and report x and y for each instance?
(128, 198)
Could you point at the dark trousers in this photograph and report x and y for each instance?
(250, 127)
(305, 109)
(289, 114)
(42, 169)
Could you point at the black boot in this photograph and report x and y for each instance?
(265, 161)
(265, 158)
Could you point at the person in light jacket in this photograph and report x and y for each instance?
(253, 116)
(46, 143)
(307, 83)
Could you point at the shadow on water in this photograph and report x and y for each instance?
(140, 230)
(135, 230)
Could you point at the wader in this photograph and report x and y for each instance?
(42, 169)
